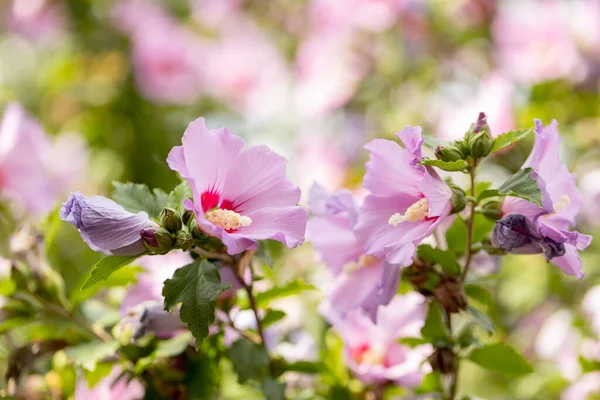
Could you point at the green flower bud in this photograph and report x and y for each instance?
(184, 239)
(459, 198)
(492, 210)
(481, 144)
(170, 220)
(195, 230)
(187, 216)
(463, 147)
(448, 153)
(158, 241)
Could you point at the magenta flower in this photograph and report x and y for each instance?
(547, 226)
(407, 201)
(112, 387)
(372, 351)
(361, 281)
(105, 225)
(239, 196)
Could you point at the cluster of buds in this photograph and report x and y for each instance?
(176, 231)
(477, 143)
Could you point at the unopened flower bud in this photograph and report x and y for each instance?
(443, 360)
(157, 241)
(184, 239)
(459, 198)
(195, 230)
(481, 144)
(448, 153)
(187, 216)
(170, 220)
(492, 210)
(480, 141)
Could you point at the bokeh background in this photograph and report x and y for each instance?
(115, 83)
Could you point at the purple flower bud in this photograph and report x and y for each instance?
(157, 240)
(105, 225)
(481, 122)
(516, 234)
(149, 236)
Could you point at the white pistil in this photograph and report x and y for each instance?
(416, 212)
(227, 219)
(363, 262)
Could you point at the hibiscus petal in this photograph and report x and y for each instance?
(438, 194)
(334, 240)
(258, 179)
(350, 291)
(413, 141)
(389, 169)
(105, 225)
(208, 156)
(286, 225)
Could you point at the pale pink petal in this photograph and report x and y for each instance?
(350, 291)
(437, 192)
(389, 171)
(209, 155)
(258, 178)
(334, 240)
(413, 140)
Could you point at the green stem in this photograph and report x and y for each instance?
(469, 250)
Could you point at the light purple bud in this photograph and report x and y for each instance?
(105, 225)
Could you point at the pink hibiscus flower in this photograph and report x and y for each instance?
(239, 196)
(407, 201)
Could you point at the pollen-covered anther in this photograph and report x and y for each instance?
(227, 219)
(363, 261)
(415, 213)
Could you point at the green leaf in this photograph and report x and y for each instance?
(102, 370)
(434, 330)
(520, 185)
(433, 141)
(272, 316)
(273, 390)
(306, 367)
(290, 288)
(89, 354)
(478, 293)
(165, 349)
(466, 338)
(249, 359)
(482, 226)
(120, 277)
(508, 138)
(458, 165)
(456, 236)
(178, 194)
(481, 186)
(412, 341)
(136, 197)
(501, 358)
(196, 286)
(445, 258)
(106, 266)
(481, 319)
(432, 382)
